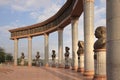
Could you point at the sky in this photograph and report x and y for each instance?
(20, 13)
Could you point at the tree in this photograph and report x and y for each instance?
(9, 57)
(2, 55)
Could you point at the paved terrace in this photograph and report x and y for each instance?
(38, 73)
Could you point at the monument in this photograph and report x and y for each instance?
(100, 54)
(22, 59)
(80, 54)
(53, 58)
(67, 66)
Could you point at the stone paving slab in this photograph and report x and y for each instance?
(38, 73)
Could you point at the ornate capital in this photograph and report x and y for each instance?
(60, 29)
(88, 0)
(74, 18)
(29, 38)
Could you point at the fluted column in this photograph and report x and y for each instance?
(15, 51)
(89, 37)
(46, 43)
(60, 47)
(29, 51)
(113, 39)
(74, 22)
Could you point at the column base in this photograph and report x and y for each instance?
(89, 73)
(53, 65)
(46, 65)
(60, 66)
(99, 77)
(67, 67)
(30, 65)
(80, 70)
(74, 68)
(15, 64)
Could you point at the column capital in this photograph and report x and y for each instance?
(16, 39)
(46, 34)
(88, 0)
(74, 17)
(29, 37)
(60, 29)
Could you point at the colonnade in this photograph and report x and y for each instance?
(88, 34)
(113, 40)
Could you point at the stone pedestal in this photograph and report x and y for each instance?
(67, 66)
(22, 62)
(100, 64)
(53, 63)
(81, 64)
(38, 63)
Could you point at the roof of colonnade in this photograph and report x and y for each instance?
(72, 8)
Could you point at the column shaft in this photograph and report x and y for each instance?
(74, 22)
(15, 51)
(113, 39)
(29, 51)
(46, 42)
(89, 36)
(60, 47)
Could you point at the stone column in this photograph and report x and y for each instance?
(89, 37)
(60, 47)
(113, 39)
(46, 43)
(74, 22)
(29, 51)
(15, 51)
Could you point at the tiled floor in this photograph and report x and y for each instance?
(38, 73)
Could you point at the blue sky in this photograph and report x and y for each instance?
(18, 13)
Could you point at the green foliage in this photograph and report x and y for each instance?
(2, 55)
(9, 57)
(5, 56)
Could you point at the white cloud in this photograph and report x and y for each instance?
(103, 1)
(46, 13)
(4, 2)
(100, 16)
(29, 5)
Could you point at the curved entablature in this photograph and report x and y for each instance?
(72, 8)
